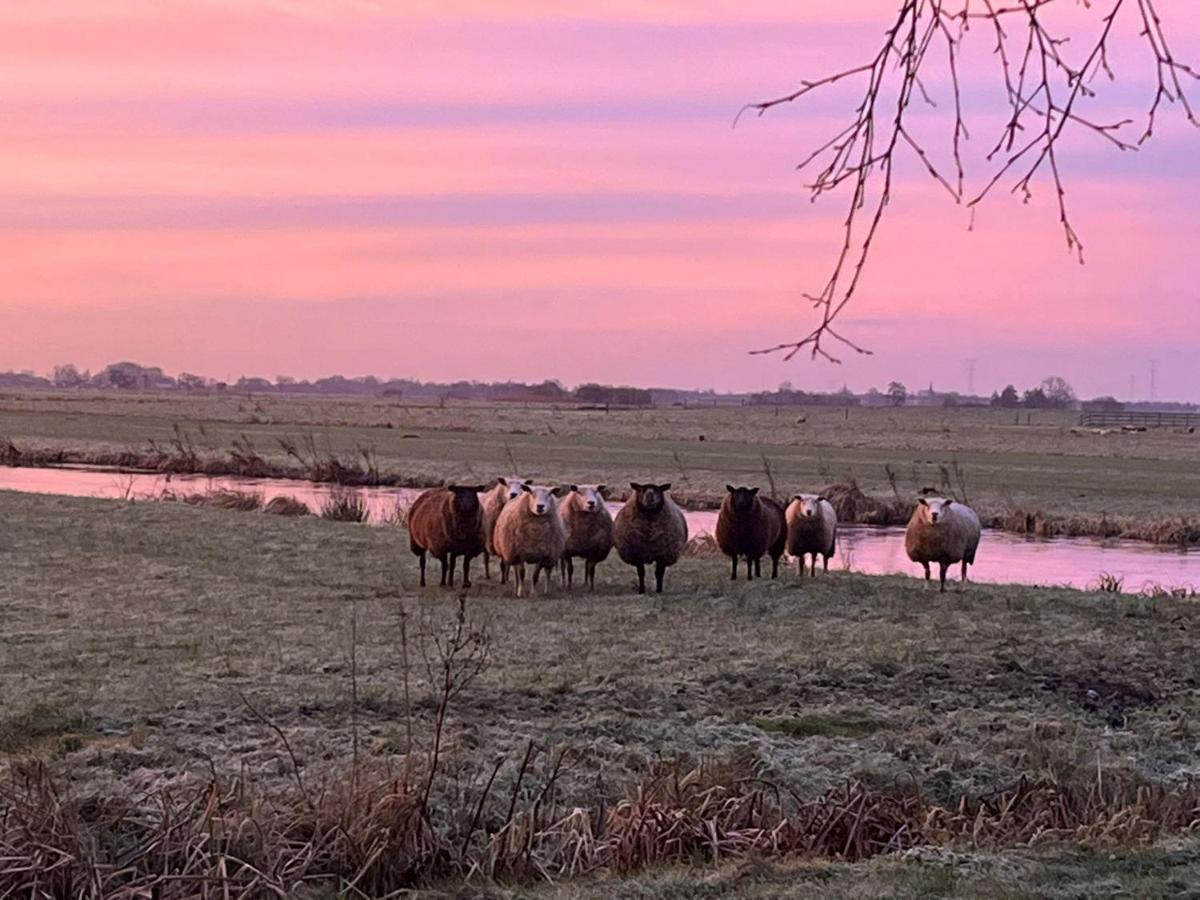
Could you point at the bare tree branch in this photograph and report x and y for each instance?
(1042, 88)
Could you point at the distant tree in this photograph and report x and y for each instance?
(785, 387)
(192, 382)
(1007, 398)
(1035, 398)
(1104, 404)
(67, 376)
(898, 393)
(1058, 392)
(284, 380)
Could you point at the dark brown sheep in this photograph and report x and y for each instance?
(750, 527)
(447, 523)
(650, 528)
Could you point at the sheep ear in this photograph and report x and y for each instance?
(635, 485)
(922, 501)
(452, 487)
(665, 487)
(502, 481)
(527, 481)
(525, 488)
(558, 490)
(753, 492)
(730, 488)
(601, 488)
(946, 503)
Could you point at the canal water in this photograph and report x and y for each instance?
(1003, 557)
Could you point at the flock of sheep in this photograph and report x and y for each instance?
(526, 525)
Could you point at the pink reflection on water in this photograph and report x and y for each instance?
(1003, 558)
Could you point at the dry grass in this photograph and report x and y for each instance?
(1031, 475)
(287, 506)
(977, 721)
(344, 505)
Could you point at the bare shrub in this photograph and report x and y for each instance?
(345, 505)
(287, 506)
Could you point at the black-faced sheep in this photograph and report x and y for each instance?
(650, 528)
(497, 495)
(749, 527)
(447, 522)
(589, 528)
(944, 532)
(530, 532)
(811, 529)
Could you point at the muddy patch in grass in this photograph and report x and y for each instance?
(1103, 695)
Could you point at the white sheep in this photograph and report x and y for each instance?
(811, 529)
(942, 531)
(589, 527)
(530, 531)
(493, 500)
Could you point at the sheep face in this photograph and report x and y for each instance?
(650, 497)
(513, 484)
(808, 504)
(933, 509)
(592, 494)
(742, 498)
(542, 500)
(466, 498)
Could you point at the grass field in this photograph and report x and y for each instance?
(1022, 471)
(156, 647)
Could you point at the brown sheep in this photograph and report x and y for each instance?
(811, 529)
(447, 522)
(944, 532)
(529, 531)
(650, 528)
(750, 526)
(589, 527)
(501, 492)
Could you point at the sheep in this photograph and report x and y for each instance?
(447, 522)
(942, 531)
(750, 526)
(811, 528)
(650, 528)
(589, 527)
(529, 530)
(498, 494)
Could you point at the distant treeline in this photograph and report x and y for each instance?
(1052, 393)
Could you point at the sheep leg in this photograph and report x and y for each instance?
(942, 567)
(589, 575)
(421, 560)
(774, 566)
(733, 574)
(519, 579)
(758, 567)
(964, 571)
(660, 569)
(927, 575)
(641, 570)
(487, 565)
(570, 577)
(453, 565)
(825, 563)
(466, 582)
(503, 572)
(442, 560)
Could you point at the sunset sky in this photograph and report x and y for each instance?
(492, 190)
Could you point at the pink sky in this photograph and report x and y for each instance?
(489, 190)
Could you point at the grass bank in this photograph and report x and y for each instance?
(253, 669)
